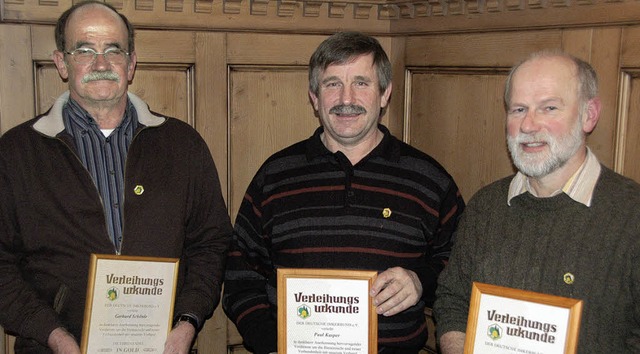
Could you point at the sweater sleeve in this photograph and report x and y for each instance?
(454, 285)
(208, 232)
(249, 267)
(22, 311)
(451, 208)
(634, 340)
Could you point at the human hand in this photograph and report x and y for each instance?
(62, 342)
(395, 290)
(180, 339)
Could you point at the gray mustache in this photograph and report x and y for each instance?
(347, 109)
(100, 75)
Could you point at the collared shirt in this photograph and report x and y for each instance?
(579, 187)
(104, 158)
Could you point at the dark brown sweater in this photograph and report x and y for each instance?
(52, 219)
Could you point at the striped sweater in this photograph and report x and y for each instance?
(310, 208)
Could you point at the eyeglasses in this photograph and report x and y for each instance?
(87, 55)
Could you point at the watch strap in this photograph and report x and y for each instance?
(186, 318)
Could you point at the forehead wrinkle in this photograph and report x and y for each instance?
(83, 43)
(552, 100)
(80, 24)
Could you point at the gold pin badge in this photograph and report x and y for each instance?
(569, 278)
(138, 190)
(386, 213)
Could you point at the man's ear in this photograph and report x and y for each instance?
(384, 99)
(592, 115)
(133, 60)
(314, 100)
(61, 65)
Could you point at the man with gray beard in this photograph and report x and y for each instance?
(101, 173)
(563, 225)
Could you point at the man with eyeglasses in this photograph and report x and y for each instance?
(101, 173)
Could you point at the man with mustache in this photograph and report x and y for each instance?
(351, 196)
(563, 225)
(100, 173)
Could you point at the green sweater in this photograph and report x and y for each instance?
(532, 243)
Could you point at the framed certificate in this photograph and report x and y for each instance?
(326, 311)
(129, 304)
(506, 320)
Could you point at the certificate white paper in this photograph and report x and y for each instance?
(326, 311)
(511, 321)
(129, 304)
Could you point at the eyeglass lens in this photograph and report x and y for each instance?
(86, 56)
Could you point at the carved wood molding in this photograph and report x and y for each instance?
(394, 17)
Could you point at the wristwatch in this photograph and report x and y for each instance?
(186, 318)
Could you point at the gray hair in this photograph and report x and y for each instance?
(340, 48)
(587, 77)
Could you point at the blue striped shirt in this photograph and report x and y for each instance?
(104, 158)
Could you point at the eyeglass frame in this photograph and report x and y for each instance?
(96, 53)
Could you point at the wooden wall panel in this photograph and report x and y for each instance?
(490, 49)
(174, 97)
(211, 98)
(48, 86)
(629, 138)
(455, 108)
(271, 49)
(600, 47)
(630, 50)
(15, 68)
(497, 52)
(269, 111)
(394, 117)
(287, 50)
(457, 117)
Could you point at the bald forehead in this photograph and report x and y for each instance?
(94, 23)
(91, 10)
(557, 64)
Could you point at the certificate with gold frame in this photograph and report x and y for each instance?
(129, 306)
(326, 310)
(507, 320)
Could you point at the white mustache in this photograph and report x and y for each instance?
(530, 139)
(100, 75)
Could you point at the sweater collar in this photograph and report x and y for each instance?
(52, 123)
(388, 148)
